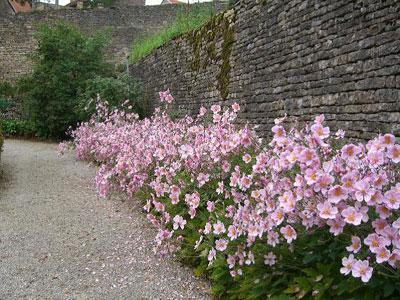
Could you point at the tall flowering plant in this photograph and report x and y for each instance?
(219, 195)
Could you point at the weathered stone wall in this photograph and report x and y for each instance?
(127, 24)
(295, 57)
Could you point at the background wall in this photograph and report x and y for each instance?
(300, 57)
(127, 23)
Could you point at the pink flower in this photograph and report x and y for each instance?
(207, 228)
(350, 151)
(202, 111)
(232, 232)
(387, 139)
(348, 264)
(253, 230)
(210, 206)
(382, 255)
(231, 260)
(279, 132)
(270, 259)
(340, 134)
(352, 216)
(219, 227)
(394, 153)
(311, 176)
(203, 178)
(247, 158)
(215, 109)
(235, 107)
(392, 199)
(363, 270)
(363, 192)
(245, 182)
(179, 222)
(220, 188)
(327, 211)
(289, 233)
(221, 244)
(319, 131)
(336, 226)
(355, 244)
(376, 242)
(336, 194)
(376, 158)
(212, 254)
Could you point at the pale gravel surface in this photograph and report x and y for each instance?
(59, 241)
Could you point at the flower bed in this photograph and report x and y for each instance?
(305, 215)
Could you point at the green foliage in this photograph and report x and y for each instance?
(114, 90)
(188, 19)
(18, 128)
(65, 60)
(1, 140)
(6, 92)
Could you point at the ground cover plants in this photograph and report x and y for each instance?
(304, 215)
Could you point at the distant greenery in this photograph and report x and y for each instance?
(65, 60)
(189, 18)
(114, 90)
(18, 128)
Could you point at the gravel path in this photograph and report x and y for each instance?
(59, 241)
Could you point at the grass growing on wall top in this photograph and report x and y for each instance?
(189, 18)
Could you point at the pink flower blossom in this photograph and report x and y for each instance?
(394, 153)
(235, 107)
(352, 216)
(289, 233)
(327, 211)
(363, 270)
(355, 244)
(270, 259)
(382, 255)
(219, 227)
(350, 151)
(392, 199)
(246, 158)
(336, 194)
(221, 244)
(348, 264)
(179, 222)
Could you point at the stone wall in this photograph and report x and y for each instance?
(127, 24)
(295, 57)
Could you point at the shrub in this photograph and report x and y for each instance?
(305, 215)
(18, 128)
(64, 61)
(114, 90)
(1, 140)
(186, 21)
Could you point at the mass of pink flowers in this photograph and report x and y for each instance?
(297, 182)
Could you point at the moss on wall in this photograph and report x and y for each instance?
(204, 46)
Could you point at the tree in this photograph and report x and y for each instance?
(64, 61)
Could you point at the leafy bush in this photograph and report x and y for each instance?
(1, 140)
(295, 218)
(185, 22)
(64, 61)
(18, 128)
(6, 92)
(116, 91)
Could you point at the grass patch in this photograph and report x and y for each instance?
(190, 17)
